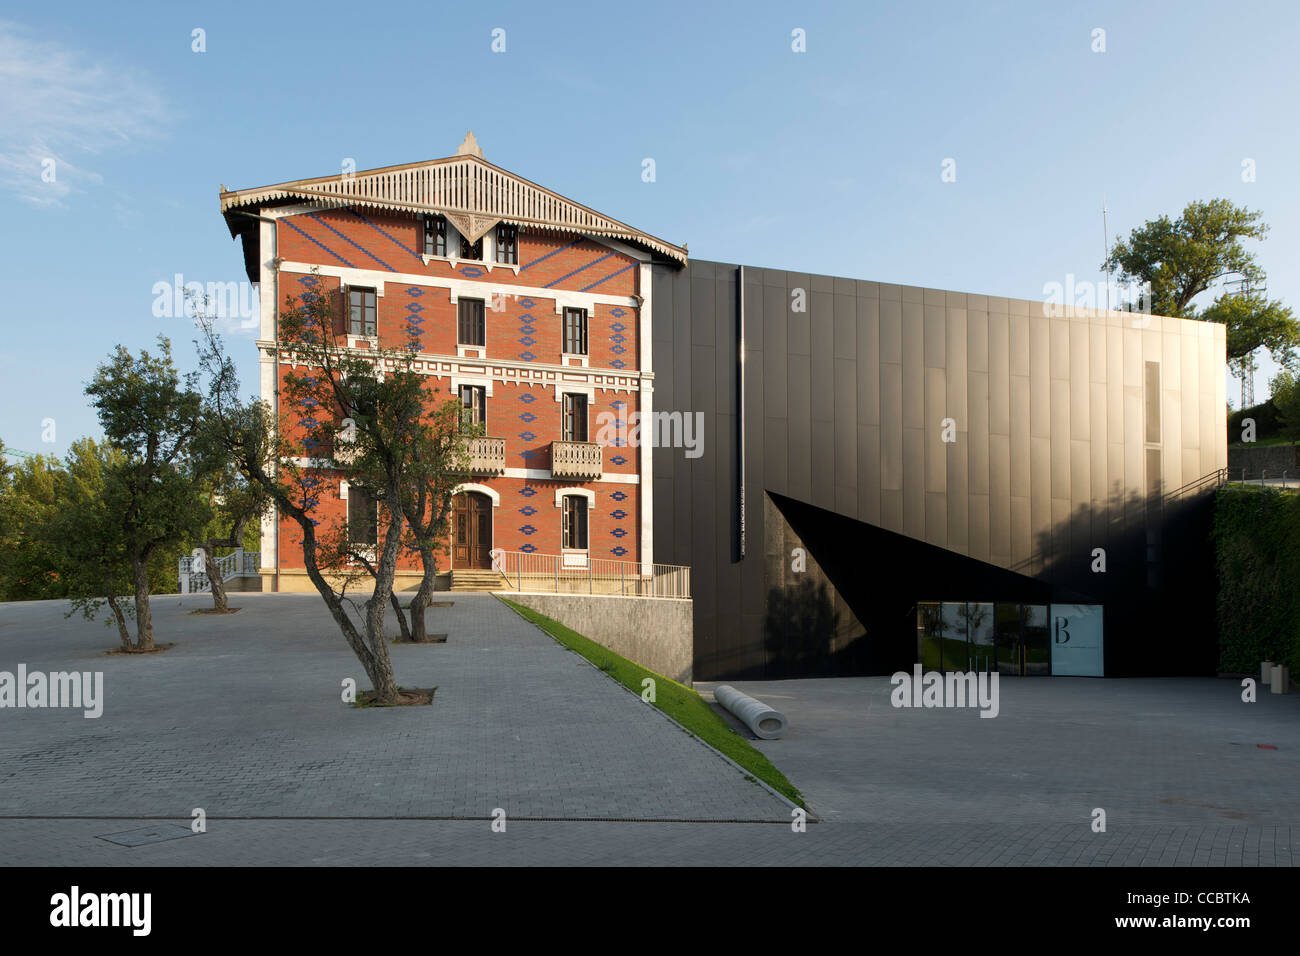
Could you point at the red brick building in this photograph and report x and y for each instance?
(533, 310)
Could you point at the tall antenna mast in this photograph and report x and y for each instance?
(1105, 247)
(1245, 287)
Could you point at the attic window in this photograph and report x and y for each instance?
(507, 247)
(435, 236)
(471, 250)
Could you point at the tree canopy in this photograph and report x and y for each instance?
(1184, 258)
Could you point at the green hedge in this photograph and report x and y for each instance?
(1257, 550)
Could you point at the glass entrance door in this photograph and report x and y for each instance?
(1006, 634)
(980, 636)
(1035, 642)
(1023, 640)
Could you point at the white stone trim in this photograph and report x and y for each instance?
(282, 212)
(544, 474)
(576, 388)
(459, 378)
(646, 408)
(580, 492)
(481, 489)
(268, 302)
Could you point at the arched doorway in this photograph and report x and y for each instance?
(471, 531)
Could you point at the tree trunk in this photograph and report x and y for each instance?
(385, 682)
(143, 616)
(401, 618)
(214, 578)
(122, 632)
(424, 594)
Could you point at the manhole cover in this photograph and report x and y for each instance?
(145, 835)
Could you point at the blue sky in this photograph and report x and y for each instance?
(827, 161)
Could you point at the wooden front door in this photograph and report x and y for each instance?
(471, 531)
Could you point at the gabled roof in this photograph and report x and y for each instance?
(470, 192)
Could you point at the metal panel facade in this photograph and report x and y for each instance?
(1010, 443)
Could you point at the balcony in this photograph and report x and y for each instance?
(487, 456)
(580, 460)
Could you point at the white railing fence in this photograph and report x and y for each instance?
(579, 574)
(194, 580)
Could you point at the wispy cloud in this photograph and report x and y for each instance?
(59, 111)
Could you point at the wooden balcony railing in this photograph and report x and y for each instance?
(582, 460)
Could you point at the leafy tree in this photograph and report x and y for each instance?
(88, 538)
(330, 397)
(31, 567)
(1286, 399)
(151, 416)
(439, 458)
(1183, 258)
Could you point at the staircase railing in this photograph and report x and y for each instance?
(193, 576)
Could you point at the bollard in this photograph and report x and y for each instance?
(1281, 679)
(754, 714)
(1265, 670)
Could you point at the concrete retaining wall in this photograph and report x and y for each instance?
(655, 632)
(1272, 459)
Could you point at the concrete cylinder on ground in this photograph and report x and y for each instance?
(1281, 679)
(765, 722)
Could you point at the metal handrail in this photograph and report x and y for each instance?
(577, 573)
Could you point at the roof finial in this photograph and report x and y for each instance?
(470, 146)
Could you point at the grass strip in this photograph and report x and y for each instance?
(678, 701)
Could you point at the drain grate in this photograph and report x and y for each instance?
(148, 835)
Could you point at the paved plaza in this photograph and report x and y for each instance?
(243, 718)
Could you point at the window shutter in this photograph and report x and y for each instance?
(341, 312)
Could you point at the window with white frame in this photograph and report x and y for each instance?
(363, 516)
(362, 311)
(471, 322)
(507, 252)
(574, 528)
(435, 236)
(575, 331)
(573, 424)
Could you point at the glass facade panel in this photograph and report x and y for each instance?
(1036, 640)
(929, 629)
(980, 620)
(954, 656)
(1006, 632)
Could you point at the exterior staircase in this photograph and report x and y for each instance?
(471, 579)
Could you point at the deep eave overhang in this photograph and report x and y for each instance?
(472, 193)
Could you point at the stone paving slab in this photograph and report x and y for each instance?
(1168, 751)
(472, 843)
(243, 717)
